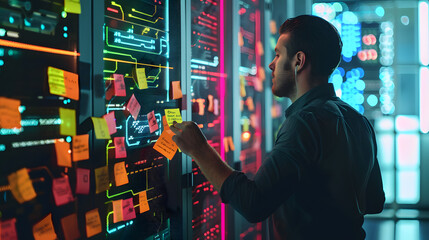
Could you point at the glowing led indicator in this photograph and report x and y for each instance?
(42, 26)
(2, 32)
(379, 11)
(11, 20)
(65, 35)
(68, 139)
(65, 28)
(1, 62)
(63, 14)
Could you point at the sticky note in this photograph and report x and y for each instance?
(216, 107)
(21, 185)
(80, 147)
(100, 127)
(82, 180)
(62, 150)
(133, 107)
(165, 144)
(153, 123)
(117, 211)
(68, 122)
(250, 104)
(128, 211)
(111, 122)
(201, 106)
(120, 172)
(101, 179)
(165, 123)
(225, 144)
(242, 86)
(173, 115)
(120, 151)
(44, 230)
(63, 83)
(176, 90)
(93, 223)
(62, 191)
(140, 76)
(261, 74)
(273, 27)
(8, 230)
(119, 85)
(70, 227)
(144, 204)
(72, 6)
(210, 108)
(260, 48)
(231, 143)
(10, 117)
(240, 39)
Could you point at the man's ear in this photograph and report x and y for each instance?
(300, 60)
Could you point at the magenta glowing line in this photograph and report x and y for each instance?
(222, 106)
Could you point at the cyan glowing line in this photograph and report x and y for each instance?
(194, 66)
(215, 62)
(424, 32)
(126, 134)
(198, 77)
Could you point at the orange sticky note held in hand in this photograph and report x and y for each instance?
(44, 230)
(70, 227)
(80, 147)
(93, 223)
(10, 117)
(165, 144)
(63, 152)
(144, 204)
(121, 176)
(176, 90)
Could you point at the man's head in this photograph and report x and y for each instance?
(309, 45)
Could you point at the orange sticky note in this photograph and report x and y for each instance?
(44, 230)
(121, 176)
(231, 143)
(273, 27)
(144, 204)
(201, 106)
(117, 211)
(70, 227)
(133, 107)
(165, 144)
(68, 122)
(176, 90)
(8, 230)
(128, 211)
(21, 185)
(240, 39)
(225, 144)
(61, 191)
(153, 123)
(140, 76)
(82, 181)
(10, 117)
(100, 127)
(173, 115)
(101, 179)
(120, 150)
(111, 122)
(250, 104)
(260, 48)
(119, 85)
(210, 108)
(80, 147)
(63, 83)
(261, 74)
(63, 152)
(165, 123)
(93, 223)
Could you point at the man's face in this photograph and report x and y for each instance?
(283, 73)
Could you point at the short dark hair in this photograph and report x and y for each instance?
(318, 39)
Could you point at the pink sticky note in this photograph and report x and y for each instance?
(62, 191)
(216, 107)
(8, 230)
(119, 85)
(120, 151)
(128, 212)
(111, 122)
(82, 181)
(133, 107)
(153, 124)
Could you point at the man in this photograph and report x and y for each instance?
(322, 176)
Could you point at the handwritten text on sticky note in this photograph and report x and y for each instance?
(100, 127)
(121, 176)
(101, 179)
(44, 230)
(153, 123)
(63, 83)
(173, 115)
(62, 191)
(80, 147)
(119, 85)
(144, 205)
(21, 185)
(165, 144)
(133, 107)
(120, 151)
(93, 223)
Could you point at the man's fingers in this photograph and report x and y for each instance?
(175, 130)
(177, 125)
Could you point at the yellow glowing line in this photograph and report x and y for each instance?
(144, 64)
(12, 44)
(114, 4)
(131, 16)
(144, 13)
(134, 23)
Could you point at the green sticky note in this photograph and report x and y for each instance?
(72, 6)
(101, 128)
(141, 78)
(173, 115)
(68, 122)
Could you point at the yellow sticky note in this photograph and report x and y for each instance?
(173, 115)
(93, 223)
(10, 117)
(21, 185)
(72, 6)
(242, 86)
(121, 176)
(63, 83)
(176, 90)
(80, 147)
(140, 74)
(144, 204)
(68, 122)
(44, 230)
(101, 128)
(165, 144)
(62, 150)
(101, 179)
(117, 211)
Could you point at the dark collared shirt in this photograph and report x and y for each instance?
(321, 177)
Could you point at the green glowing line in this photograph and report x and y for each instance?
(121, 54)
(117, 5)
(112, 71)
(134, 23)
(141, 19)
(142, 13)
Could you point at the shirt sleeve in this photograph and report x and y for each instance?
(280, 174)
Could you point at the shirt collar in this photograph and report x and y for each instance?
(323, 91)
